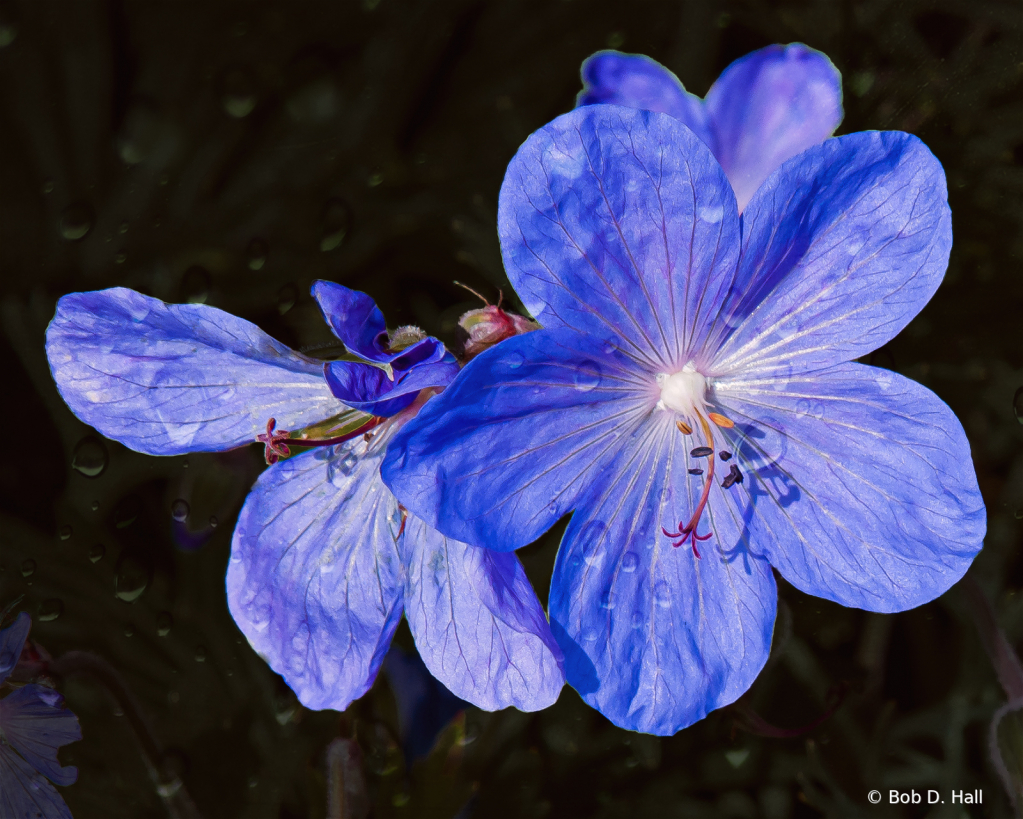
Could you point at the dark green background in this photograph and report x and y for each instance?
(365, 142)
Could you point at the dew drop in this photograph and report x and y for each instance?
(50, 609)
(195, 285)
(336, 222)
(28, 567)
(164, 621)
(76, 221)
(630, 561)
(1017, 404)
(286, 298)
(200, 654)
(97, 552)
(180, 510)
(65, 532)
(133, 574)
(514, 361)
(256, 254)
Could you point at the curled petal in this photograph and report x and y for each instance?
(654, 637)
(859, 484)
(636, 81)
(767, 107)
(355, 319)
(171, 378)
(314, 580)
(842, 247)
(25, 793)
(621, 224)
(503, 452)
(35, 721)
(12, 640)
(369, 388)
(477, 622)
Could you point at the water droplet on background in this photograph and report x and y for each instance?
(126, 512)
(164, 622)
(195, 285)
(28, 567)
(65, 532)
(95, 506)
(200, 654)
(76, 221)
(239, 94)
(256, 254)
(129, 630)
(337, 219)
(1017, 404)
(213, 522)
(180, 510)
(50, 609)
(133, 574)
(96, 552)
(47, 186)
(286, 298)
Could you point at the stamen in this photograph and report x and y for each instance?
(720, 420)
(688, 532)
(733, 477)
(724, 455)
(695, 471)
(702, 451)
(684, 428)
(276, 448)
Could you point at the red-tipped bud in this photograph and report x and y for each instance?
(488, 325)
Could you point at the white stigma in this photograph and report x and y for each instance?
(683, 391)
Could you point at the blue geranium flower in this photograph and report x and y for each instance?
(323, 560)
(765, 107)
(34, 722)
(692, 386)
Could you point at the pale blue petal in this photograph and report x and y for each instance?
(24, 793)
(654, 637)
(314, 581)
(621, 224)
(477, 622)
(511, 445)
(171, 378)
(842, 247)
(35, 721)
(858, 483)
(768, 106)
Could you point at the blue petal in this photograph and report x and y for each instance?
(35, 722)
(171, 378)
(314, 580)
(636, 81)
(654, 637)
(25, 794)
(767, 107)
(477, 622)
(12, 640)
(503, 452)
(354, 318)
(842, 247)
(619, 223)
(425, 706)
(367, 387)
(861, 485)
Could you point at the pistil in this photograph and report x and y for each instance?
(276, 441)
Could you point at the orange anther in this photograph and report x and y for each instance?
(684, 428)
(720, 420)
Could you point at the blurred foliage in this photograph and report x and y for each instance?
(232, 153)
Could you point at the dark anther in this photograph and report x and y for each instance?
(696, 471)
(273, 441)
(702, 452)
(724, 456)
(733, 477)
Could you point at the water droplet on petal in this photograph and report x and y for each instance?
(588, 378)
(1017, 404)
(96, 552)
(76, 221)
(195, 285)
(286, 298)
(256, 254)
(608, 601)
(133, 574)
(337, 219)
(590, 635)
(638, 619)
(514, 361)
(28, 567)
(164, 621)
(662, 594)
(180, 510)
(65, 532)
(50, 609)
(630, 561)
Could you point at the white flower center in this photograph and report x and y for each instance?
(683, 391)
